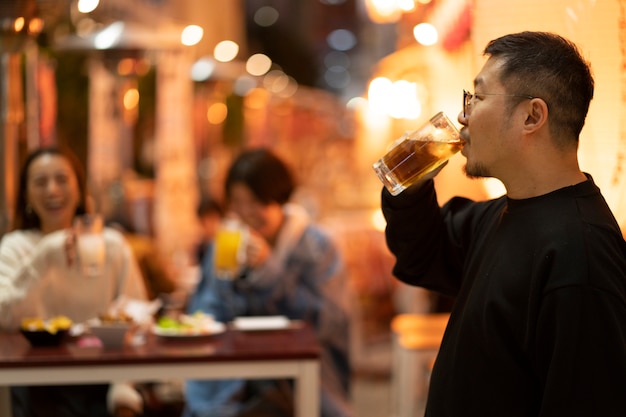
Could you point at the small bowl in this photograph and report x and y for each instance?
(40, 338)
(112, 335)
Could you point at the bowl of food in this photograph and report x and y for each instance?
(50, 332)
(111, 330)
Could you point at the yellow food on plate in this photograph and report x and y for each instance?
(33, 323)
(60, 322)
(115, 318)
(51, 325)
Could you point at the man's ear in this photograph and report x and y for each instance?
(537, 115)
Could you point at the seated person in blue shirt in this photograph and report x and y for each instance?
(294, 269)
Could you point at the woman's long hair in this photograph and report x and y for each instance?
(25, 218)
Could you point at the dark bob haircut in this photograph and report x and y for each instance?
(267, 176)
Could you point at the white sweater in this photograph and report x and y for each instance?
(36, 281)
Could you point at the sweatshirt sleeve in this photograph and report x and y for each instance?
(416, 235)
(430, 242)
(24, 258)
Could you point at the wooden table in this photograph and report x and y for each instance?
(286, 353)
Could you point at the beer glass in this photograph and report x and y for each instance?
(230, 245)
(418, 153)
(90, 244)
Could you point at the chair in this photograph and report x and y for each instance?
(415, 343)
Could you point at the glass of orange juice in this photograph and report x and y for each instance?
(230, 245)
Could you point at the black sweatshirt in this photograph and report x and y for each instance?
(539, 323)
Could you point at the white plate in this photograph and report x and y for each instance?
(261, 323)
(208, 330)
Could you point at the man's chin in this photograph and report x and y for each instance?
(475, 171)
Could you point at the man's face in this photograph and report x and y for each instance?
(489, 126)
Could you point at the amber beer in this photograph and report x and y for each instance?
(418, 153)
(414, 158)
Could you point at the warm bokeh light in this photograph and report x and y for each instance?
(257, 99)
(404, 103)
(18, 25)
(275, 81)
(109, 36)
(290, 89)
(226, 51)
(126, 66)
(202, 69)
(426, 34)
(357, 102)
(279, 83)
(35, 26)
(406, 5)
(390, 11)
(132, 66)
(494, 187)
(378, 220)
(374, 133)
(87, 6)
(216, 113)
(131, 98)
(397, 99)
(258, 64)
(191, 35)
(379, 94)
(383, 11)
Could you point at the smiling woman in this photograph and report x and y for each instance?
(41, 277)
(51, 191)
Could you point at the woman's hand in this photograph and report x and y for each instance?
(70, 247)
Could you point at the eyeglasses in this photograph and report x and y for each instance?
(468, 97)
